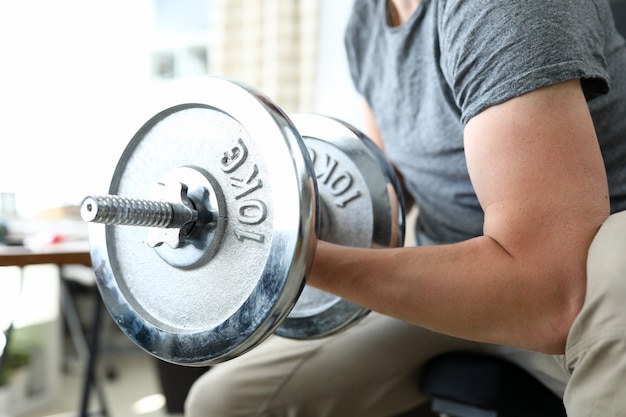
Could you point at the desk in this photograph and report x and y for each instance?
(64, 254)
(58, 254)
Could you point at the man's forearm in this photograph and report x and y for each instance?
(473, 290)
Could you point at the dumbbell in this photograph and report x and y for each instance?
(203, 242)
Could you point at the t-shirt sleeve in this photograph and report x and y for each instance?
(357, 41)
(492, 51)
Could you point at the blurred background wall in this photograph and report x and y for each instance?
(75, 74)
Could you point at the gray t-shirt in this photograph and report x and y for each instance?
(425, 79)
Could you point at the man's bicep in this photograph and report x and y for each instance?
(537, 169)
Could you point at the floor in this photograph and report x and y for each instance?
(134, 390)
(128, 377)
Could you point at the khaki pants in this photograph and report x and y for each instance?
(595, 357)
(372, 369)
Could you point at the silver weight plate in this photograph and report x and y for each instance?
(361, 205)
(208, 304)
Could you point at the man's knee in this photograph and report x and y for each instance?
(606, 269)
(604, 311)
(217, 393)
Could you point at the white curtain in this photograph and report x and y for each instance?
(269, 44)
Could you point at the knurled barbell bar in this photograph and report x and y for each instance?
(228, 196)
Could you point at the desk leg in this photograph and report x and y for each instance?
(90, 380)
(7, 334)
(74, 325)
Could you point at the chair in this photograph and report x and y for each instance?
(469, 384)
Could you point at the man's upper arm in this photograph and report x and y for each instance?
(536, 166)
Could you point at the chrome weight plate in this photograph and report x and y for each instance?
(218, 295)
(361, 205)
